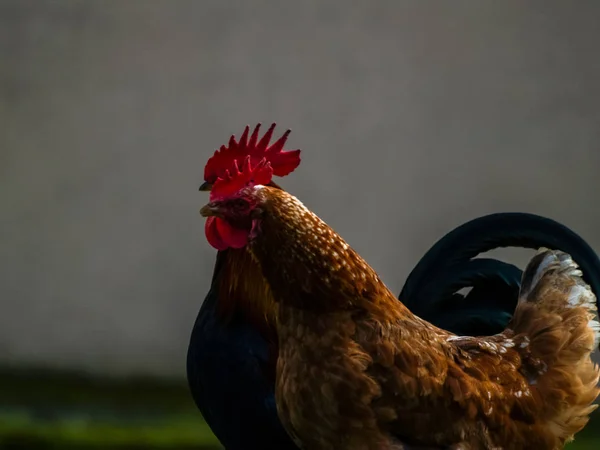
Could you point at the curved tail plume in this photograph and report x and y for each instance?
(430, 289)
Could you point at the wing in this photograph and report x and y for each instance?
(461, 390)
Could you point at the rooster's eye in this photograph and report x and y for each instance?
(239, 203)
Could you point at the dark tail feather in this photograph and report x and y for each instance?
(476, 274)
(485, 310)
(430, 286)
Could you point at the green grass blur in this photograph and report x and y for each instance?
(42, 409)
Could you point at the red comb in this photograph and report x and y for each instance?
(232, 182)
(282, 162)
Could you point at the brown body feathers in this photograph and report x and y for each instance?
(357, 370)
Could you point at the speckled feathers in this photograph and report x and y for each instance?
(357, 370)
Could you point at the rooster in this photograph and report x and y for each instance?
(357, 370)
(232, 349)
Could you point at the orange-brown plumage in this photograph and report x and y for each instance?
(357, 370)
(243, 289)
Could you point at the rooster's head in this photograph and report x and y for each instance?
(227, 184)
(236, 202)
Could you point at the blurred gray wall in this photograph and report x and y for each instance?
(413, 117)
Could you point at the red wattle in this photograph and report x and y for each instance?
(233, 237)
(212, 234)
(221, 235)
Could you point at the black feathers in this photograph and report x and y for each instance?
(431, 288)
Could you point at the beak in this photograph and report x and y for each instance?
(210, 210)
(206, 186)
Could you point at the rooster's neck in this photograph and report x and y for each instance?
(309, 266)
(243, 291)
